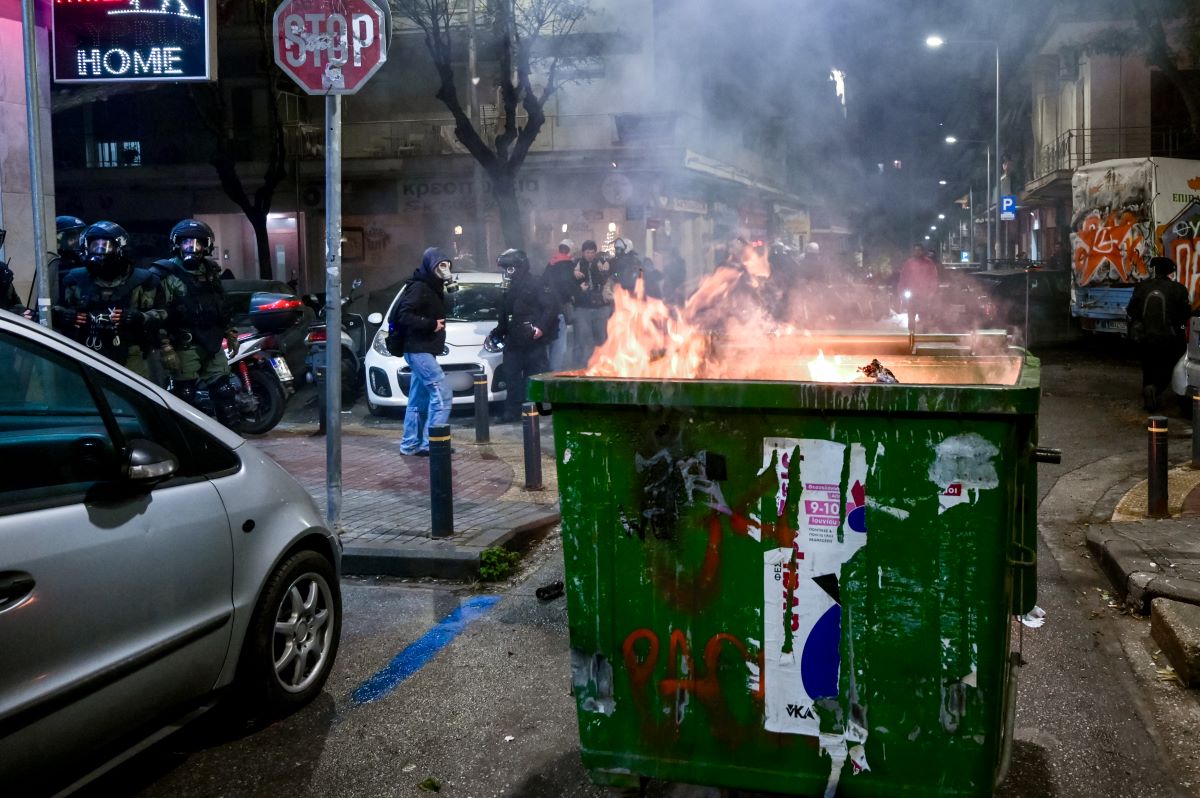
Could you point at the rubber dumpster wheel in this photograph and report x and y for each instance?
(631, 792)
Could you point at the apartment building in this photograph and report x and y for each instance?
(635, 146)
(1090, 103)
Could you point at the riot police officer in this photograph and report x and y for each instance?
(528, 322)
(108, 305)
(197, 319)
(68, 230)
(9, 299)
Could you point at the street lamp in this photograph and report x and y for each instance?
(934, 42)
(941, 216)
(951, 140)
(941, 182)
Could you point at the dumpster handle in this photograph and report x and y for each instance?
(1043, 454)
(1021, 556)
(1010, 719)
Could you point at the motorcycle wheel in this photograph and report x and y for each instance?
(350, 379)
(271, 403)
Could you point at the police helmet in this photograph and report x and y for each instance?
(106, 248)
(68, 229)
(192, 240)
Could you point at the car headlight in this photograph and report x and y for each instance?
(380, 343)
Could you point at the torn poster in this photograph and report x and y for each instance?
(802, 616)
(963, 466)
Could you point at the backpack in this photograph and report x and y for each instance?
(395, 337)
(1154, 324)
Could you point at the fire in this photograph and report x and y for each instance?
(730, 330)
(709, 339)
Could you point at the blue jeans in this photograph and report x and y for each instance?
(428, 394)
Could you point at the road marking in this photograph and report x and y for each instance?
(419, 652)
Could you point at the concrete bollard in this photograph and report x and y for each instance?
(533, 446)
(483, 433)
(441, 487)
(1156, 484)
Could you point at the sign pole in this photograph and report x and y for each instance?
(33, 116)
(333, 310)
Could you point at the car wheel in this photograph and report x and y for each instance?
(293, 636)
(377, 410)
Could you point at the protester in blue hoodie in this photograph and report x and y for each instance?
(421, 315)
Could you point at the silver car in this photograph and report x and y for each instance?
(150, 560)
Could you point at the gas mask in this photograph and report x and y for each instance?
(507, 277)
(444, 272)
(104, 260)
(191, 252)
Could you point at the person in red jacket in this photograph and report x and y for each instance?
(918, 286)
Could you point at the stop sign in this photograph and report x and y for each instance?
(330, 46)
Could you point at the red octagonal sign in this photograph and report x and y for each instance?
(330, 46)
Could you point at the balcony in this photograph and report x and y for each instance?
(1057, 161)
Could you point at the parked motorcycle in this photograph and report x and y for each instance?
(352, 347)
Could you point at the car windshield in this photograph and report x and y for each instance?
(474, 302)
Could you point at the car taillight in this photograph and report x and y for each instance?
(280, 304)
(315, 337)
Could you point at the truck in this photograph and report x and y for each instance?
(1124, 212)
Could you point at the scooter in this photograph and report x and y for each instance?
(261, 383)
(352, 348)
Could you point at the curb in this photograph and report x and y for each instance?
(441, 560)
(1137, 579)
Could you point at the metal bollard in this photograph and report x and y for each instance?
(441, 487)
(1196, 430)
(483, 433)
(533, 447)
(1156, 485)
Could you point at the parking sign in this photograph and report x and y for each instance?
(1008, 208)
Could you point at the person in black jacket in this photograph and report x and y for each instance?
(1158, 314)
(421, 313)
(528, 320)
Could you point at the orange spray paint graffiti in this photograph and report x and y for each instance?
(1110, 246)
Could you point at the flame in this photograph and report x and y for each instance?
(1194, 183)
(726, 331)
(707, 339)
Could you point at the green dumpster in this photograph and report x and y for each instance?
(799, 587)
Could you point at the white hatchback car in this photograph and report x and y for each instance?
(472, 312)
(150, 559)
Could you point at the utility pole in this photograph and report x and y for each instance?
(33, 116)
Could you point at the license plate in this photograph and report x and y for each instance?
(281, 368)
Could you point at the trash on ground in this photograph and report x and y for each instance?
(430, 785)
(549, 592)
(508, 738)
(1035, 618)
(1168, 674)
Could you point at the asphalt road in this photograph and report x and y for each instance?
(491, 713)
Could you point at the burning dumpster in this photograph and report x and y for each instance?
(801, 586)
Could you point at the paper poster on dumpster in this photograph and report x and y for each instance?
(802, 610)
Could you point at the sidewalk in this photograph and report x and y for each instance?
(1144, 558)
(385, 497)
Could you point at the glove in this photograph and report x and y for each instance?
(133, 319)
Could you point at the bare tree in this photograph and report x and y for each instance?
(212, 105)
(531, 42)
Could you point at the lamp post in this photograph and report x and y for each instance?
(934, 42)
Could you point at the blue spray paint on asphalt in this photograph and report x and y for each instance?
(419, 652)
